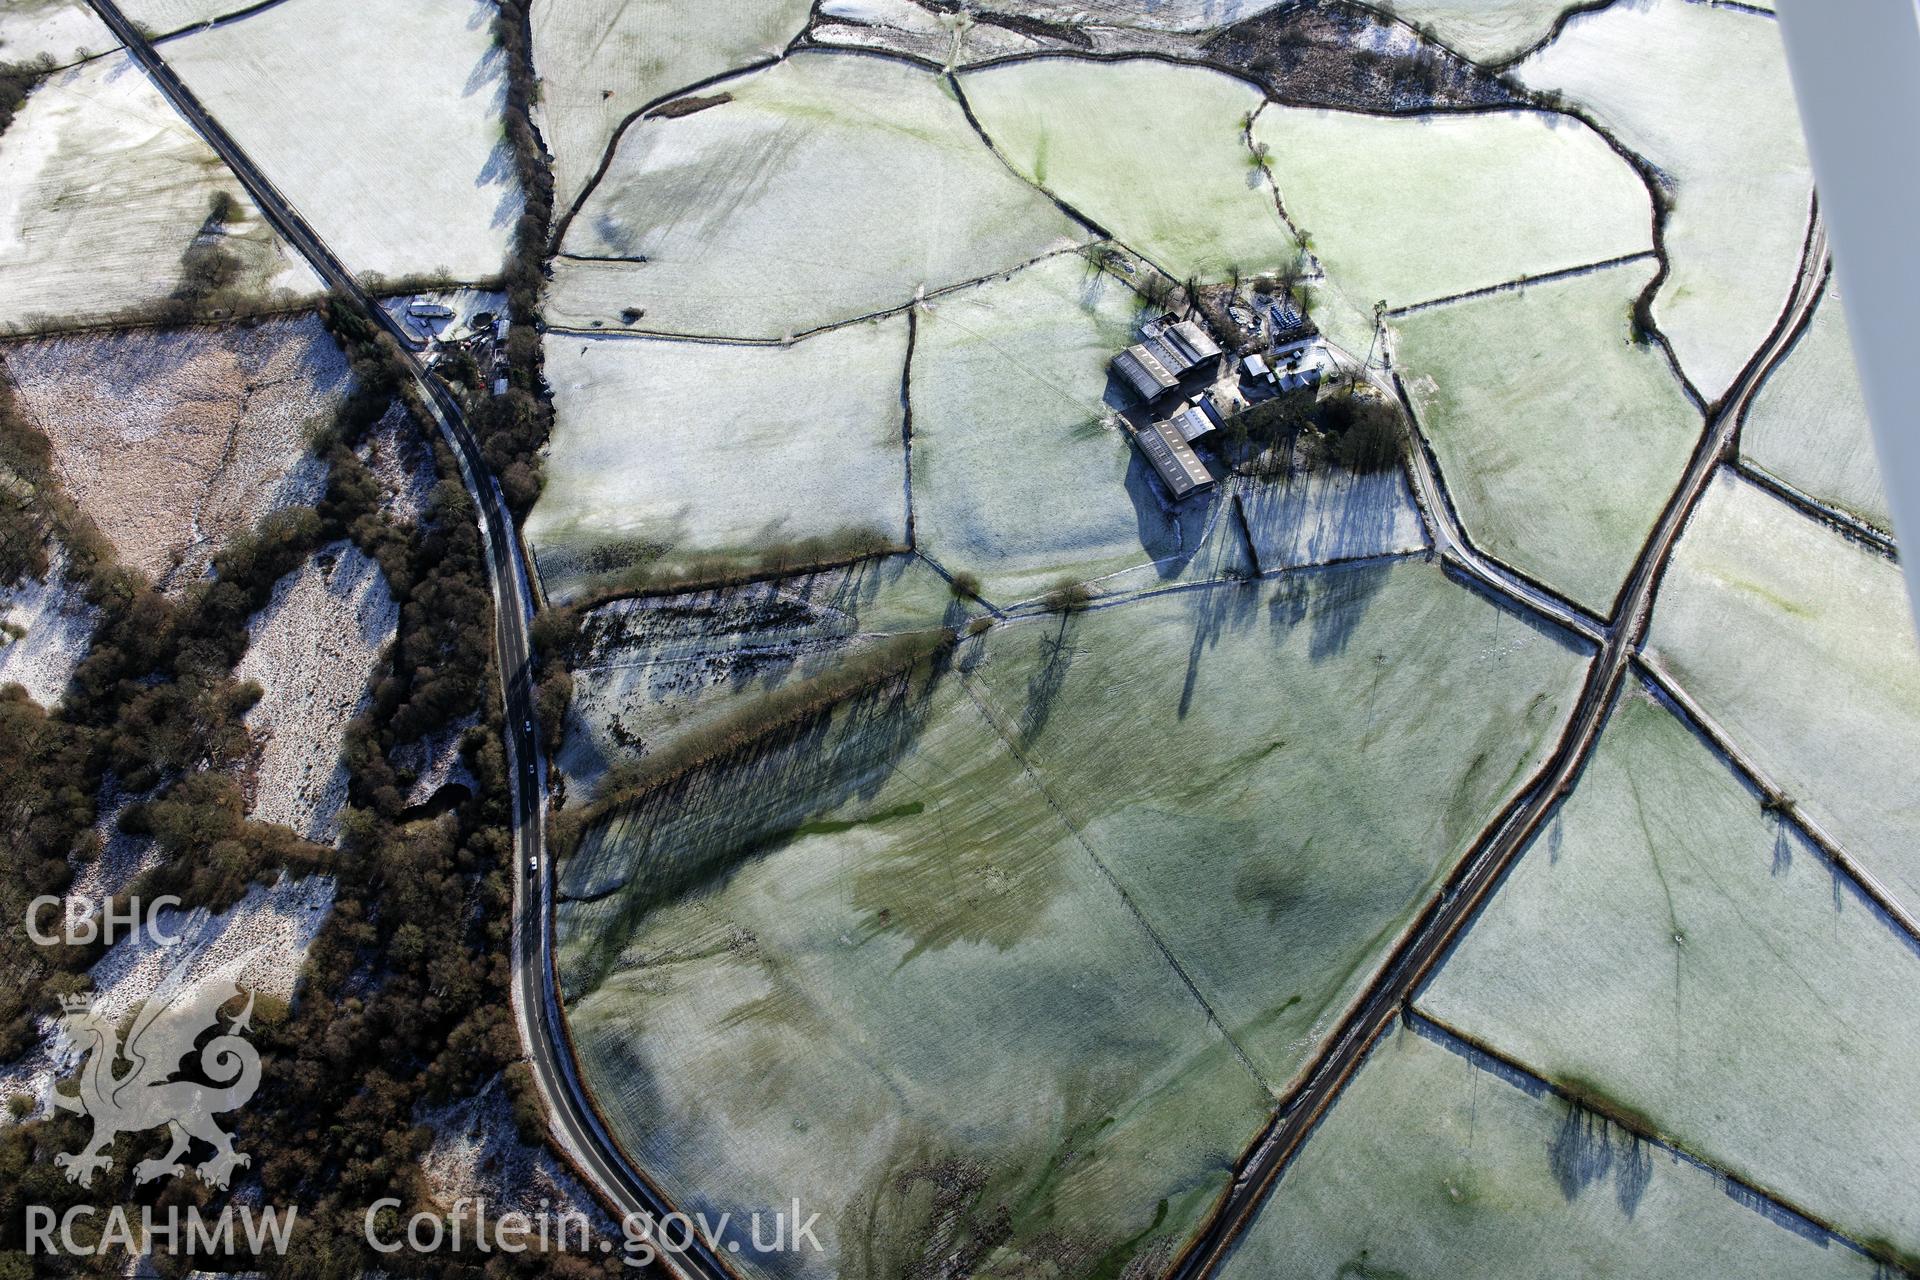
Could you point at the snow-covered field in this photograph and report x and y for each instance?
(1808, 425)
(312, 649)
(1487, 31)
(1153, 153)
(64, 30)
(670, 455)
(1560, 439)
(1702, 93)
(45, 629)
(601, 60)
(102, 189)
(175, 440)
(383, 127)
(164, 17)
(830, 187)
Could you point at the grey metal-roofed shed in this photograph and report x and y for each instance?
(1179, 468)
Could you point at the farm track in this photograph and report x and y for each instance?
(1473, 882)
(578, 1129)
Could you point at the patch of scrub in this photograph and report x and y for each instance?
(477, 1155)
(46, 627)
(313, 649)
(867, 964)
(1487, 31)
(1435, 1163)
(656, 667)
(1671, 945)
(1154, 153)
(1278, 776)
(103, 188)
(1701, 91)
(1801, 645)
(829, 187)
(1560, 438)
(63, 30)
(1406, 209)
(682, 461)
(175, 440)
(1808, 425)
(601, 60)
(387, 135)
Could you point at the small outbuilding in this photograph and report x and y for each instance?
(1173, 459)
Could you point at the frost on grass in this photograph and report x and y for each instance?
(477, 1156)
(681, 461)
(63, 30)
(829, 187)
(601, 60)
(103, 188)
(657, 667)
(385, 130)
(1487, 31)
(313, 649)
(1153, 153)
(175, 440)
(1154, 15)
(1685, 952)
(1702, 93)
(1434, 1163)
(1560, 438)
(1408, 209)
(164, 17)
(1801, 645)
(870, 966)
(46, 627)
(402, 463)
(1808, 426)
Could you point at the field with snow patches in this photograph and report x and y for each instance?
(657, 667)
(175, 440)
(386, 135)
(1702, 93)
(827, 188)
(1408, 209)
(1153, 153)
(102, 189)
(872, 967)
(165, 17)
(674, 460)
(1676, 948)
(930, 926)
(1560, 439)
(599, 61)
(46, 627)
(1808, 425)
(63, 30)
(1801, 645)
(1432, 1164)
(1152, 15)
(313, 649)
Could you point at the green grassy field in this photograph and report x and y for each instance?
(1672, 947)
(1431, 1165)
(1559, 438)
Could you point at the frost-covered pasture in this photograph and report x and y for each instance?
(46, 626)
(175, 440)
(832, 186)
(600, 61)
(675, 460)
(312, 650)
(1560, 438)
(1487, 31)
(1702, 93)
(1695, 957)
(103, 188)
(1808, 425)
(63, 30)
(383, 126)
(1801, 645)
(1153, 153)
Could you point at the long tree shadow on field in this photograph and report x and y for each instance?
(1333, 602)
